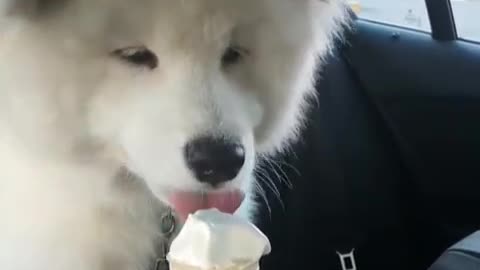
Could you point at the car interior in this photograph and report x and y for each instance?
(386, 173)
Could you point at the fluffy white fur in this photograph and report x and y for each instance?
(73, 116)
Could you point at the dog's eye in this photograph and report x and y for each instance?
(139, 56)
(233, 55)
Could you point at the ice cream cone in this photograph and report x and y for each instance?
(180, 266)
(211, 240)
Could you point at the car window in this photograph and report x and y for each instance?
(406, 13)
(467, 18)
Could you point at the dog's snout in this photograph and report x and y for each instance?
(214, 160)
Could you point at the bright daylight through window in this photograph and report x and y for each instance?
(413, 14)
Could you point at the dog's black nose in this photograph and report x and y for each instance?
(214, 160)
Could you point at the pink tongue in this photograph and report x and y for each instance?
(186, 203)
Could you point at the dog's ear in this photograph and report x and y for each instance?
(29, 8)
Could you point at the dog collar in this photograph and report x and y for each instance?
(168, 226)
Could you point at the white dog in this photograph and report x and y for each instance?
(112, 111)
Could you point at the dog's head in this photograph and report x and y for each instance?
(185, 94)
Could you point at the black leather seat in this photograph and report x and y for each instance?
(352, 198)
(349, 188)
(465, 255)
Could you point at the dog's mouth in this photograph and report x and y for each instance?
(186, 203)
